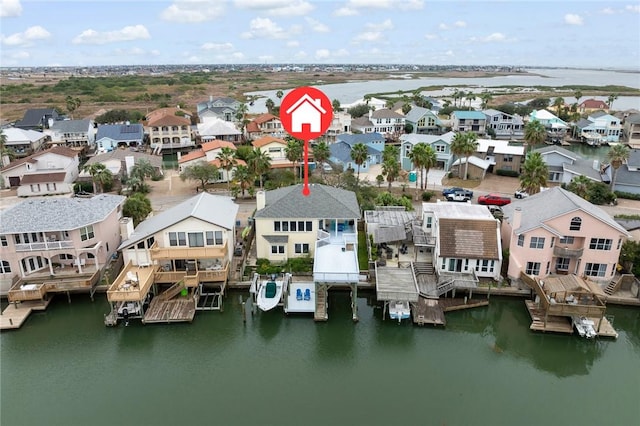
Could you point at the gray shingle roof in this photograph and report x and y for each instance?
(323, 202)
(634, 158)
(122, 154)
(342, 151)
(215, 209)
(540, 208)
(627, 177)
(37, 117)
(57, 214)
(364, 138)
(120, 132)
(71, 126)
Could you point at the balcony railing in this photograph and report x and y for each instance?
(45, 245)
(209, 252)
(560, 251)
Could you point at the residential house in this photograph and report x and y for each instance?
(265, 125)
(222, 108)
(38, 119)
(500, 154)
(477, 168)
(467, 244)
(505, 126)
(383, 121)
(51, 245)
(374, 103)
(632, 130)
(276, 150)
(24, 142)
(112, 136)
(50, 172)
(186, 248)
(215, 128)
(169, 128)
(558, 232)
(340, 123)
(73, 133)
(556, 128)
(287, 223)
(209, 153)
(627, 175)
(591, 105)
(441, 144)
(120, 162)
(341, 150)
(599, 128)
(424, 121)
(564, 165)
(469, 121)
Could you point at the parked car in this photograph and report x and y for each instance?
(327, 167)
(521, 193)
(461, 196)
(447, 191)
(494, 200)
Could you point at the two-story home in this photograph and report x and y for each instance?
(467, 244)
(632, 130)
(558, 232)
(340, 123)
(275, 148)
(49, 172)
(215, 128)
(222, 108)
(187, 250)
(441, 144)
(341, 150)
(50, 245)
(37, 119)
(556, 128)
(564, 165)
(265, 125)
(424, 121)
(591, 105)
(627, 175)
(209, 153)
(120, 162)
(112, 136)
(72, 133)
(599, 128)
(24, 142)
(500, 154)
(384, 121)
(169, 128)
(505, 126)
(469, 121)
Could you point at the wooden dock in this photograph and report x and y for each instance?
(175, 310)
(16, 314)
(562, 324)
(431, 311)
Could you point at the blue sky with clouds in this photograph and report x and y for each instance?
(114, 32)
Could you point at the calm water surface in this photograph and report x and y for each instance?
(64, 367)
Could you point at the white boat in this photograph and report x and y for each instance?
(584, 326)
(399, 310)
(269, 293)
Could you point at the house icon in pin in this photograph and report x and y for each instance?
(306, 110)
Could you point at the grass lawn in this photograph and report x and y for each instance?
(363, 256)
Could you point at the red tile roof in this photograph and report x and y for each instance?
(198, 153)
(33, 158)
(217, 144)
(167, 117)
(594, 104)
(266, 141)
(42, 178)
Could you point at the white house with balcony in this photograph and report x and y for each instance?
(441, 144)
(600, 128)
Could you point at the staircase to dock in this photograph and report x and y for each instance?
(172, 291)
(614, 285)
(423, 268)
(321, 305)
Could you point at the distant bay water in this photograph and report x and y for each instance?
(347, 93)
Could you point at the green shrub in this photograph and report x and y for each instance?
(627, 195)
(503, 172)
(427, 195)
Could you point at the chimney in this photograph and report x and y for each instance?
(261, 200)
(517, 218)
(126, 228)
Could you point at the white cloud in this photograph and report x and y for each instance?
(345, 11)
(265, 58)
(460, 24)
(264, 28)
(133, 51)
(368, 36)
(317, 26)
(443, 26)
(449, 53)
(327, 55)
(193, 11)
(277, 7)
(430, 36)
(300, 55)
(633, 8)
(494, 37)
(20, 55)
(385, 4)
(573, 19)
(10, 8)
(607, 11)
(218, 47)
(323, 53)
(129, 33)
(27, 37)
(238, 55)
(293, 43)
(384, 26)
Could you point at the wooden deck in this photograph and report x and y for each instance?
(16, 314)
(562, 324)
(428, 311)
(175, 310)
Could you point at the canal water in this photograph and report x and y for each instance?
(64, 367)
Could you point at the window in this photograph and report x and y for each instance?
(277, 249)
(533, 268)
(302, 248)
(209, 235)
(309, 226)
(575, 224)
(285, 226)
(600, 244)
(218, 237)
(484, 265)
(440, 148)
(301, 225)
(595, 269)
(562, 264)
(5, 268)
(619, 243)
(507, 158)
(276, 226)
(553, 241)
(548, 267)
(66, 256)
(537, 243)
(86, 233)
(177, 239)
(521, 240)
(566, 240)
(293, 226)
(196, 239)
(429, 222)
(3, 241)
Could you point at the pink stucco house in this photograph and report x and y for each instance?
(558, 232)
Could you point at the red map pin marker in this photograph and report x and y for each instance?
(306, 113)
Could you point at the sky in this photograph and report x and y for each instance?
(561, 33)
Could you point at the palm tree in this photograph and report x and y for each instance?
(612, 97)
(390, 163)
(227, 157)
(293, 151)
(456, 96)
(577, 94)
(430, 160)
(534, 173)
(580, 185)
(5, 151)
(470, 97)
(470, 146)
(335, 104)
(259, 163)
(241, 116)
(100, 175)
(422, 156)
(321, 153)
(534, 133)
(558, 103)
(270, 105)
(244, 177)
(279, 94)
(367, 98)
(458, 148)
(486, 98)
(617, 156)
(359, 156)
(72, 104)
